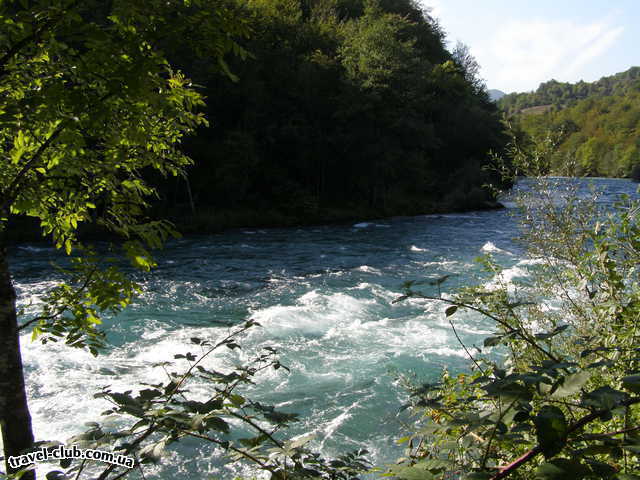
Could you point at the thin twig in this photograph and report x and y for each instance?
(80, 469)
(465, 347)
(524, 337)
(231, 447)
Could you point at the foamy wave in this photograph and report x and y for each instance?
(368, 269)
(447, 352)
(313, 314)
(490, 247)
(506, 277)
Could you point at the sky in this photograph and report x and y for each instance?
(522, 43)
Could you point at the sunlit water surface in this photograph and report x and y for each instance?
(323, 296)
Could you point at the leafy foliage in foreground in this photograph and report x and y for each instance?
(89, 106)
(554, 392)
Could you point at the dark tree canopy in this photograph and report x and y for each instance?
(344, 108)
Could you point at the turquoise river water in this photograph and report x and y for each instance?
(323, 296)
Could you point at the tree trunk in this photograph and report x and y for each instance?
(15, 419)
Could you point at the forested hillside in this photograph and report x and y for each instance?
(596, 124)
(341, 108)
(599, 136)
(562, 94)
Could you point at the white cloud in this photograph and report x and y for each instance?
(521, 54)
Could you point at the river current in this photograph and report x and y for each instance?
(323, 297)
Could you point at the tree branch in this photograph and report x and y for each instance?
(11, 192)
(62, 309)
(34, 37)
(231, 447)
(512, 467)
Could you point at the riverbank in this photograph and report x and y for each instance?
(208, 220)
(220, 220)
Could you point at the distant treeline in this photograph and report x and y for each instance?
(561, 94)
(341, 108)
(597, 124)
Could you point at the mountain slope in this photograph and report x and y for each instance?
(561, 94)
(495, 95)
(600, 134)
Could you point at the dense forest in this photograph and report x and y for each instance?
(561, 94)
(596, 125)
(339, 109)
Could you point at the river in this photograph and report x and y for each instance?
(323, 296)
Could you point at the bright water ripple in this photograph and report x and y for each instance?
(323, 297)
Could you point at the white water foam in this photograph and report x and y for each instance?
(506, 278)
(490, 247)
(368, 269)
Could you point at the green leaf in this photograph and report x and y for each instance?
(216, 423)
(400, 299)
(632, 383)
(451, 310)
(300, 441)
(604, 470)
(412, 473)
(604, 398)
(571, 384)
(551, 334)
(551, 430)
(148, 394)
(197, 421)
(492, 341)
(508, 388)
(55, 475)
(153, 452)
(562, 469)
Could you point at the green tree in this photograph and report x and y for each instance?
(463, 57)
(88, 104)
